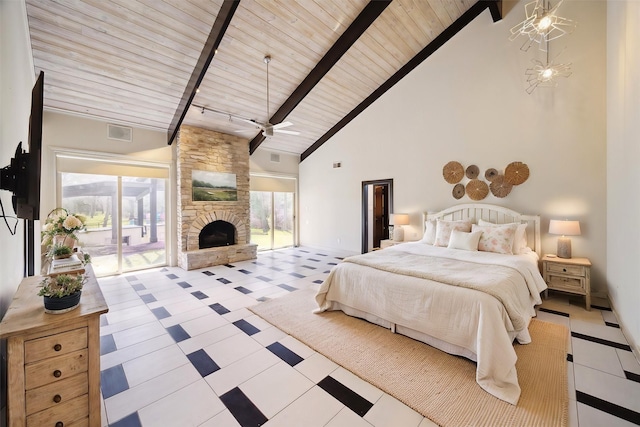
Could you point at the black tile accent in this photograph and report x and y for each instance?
(113, 381)
(602, 308)
(613, 325)
(243, 289)
(345, 395)
(132, 420)
(313, 259)
(208, 273)
(132, 278)
(319, 282)
(601, 341)
(202, 362)
(298, 275)
(332, 263)
(223, 280)
(219, 308)
(287, 287)
(160, 312)
(340, 258)
(302, 250)
(246, 327)
(276, 268)
(297, 256)
(263, 299)
(230, 265)
(164, 269)
(138, 287)
(308, 266)
(327, 271)
(569, 357)
(321, 254)
(284, 353)
(264, 279)
(148, 298)
(107, 344)
(242, 270)
(559, 313)
(172, 276)
(184, 285)
(257, 263)
(608, 407)
(199, 295)
(632, 376)
(178, 333)
(244, 411)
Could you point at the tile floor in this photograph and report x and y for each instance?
(180, 348)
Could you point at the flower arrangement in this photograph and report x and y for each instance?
(60, 222)
(61, 285)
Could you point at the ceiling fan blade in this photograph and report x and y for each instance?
(288, 132)
(282, 125)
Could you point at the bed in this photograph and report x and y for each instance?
(444, 292)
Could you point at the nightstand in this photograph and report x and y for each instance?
(572, 275)
(388, 243)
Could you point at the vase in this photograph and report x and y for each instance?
(62, 305)
(64, 239)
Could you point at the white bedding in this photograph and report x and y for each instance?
(456, 318)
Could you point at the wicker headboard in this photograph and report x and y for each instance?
(495, 214)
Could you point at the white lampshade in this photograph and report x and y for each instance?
(564, 228)
(398, 220)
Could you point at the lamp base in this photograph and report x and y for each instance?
(398, 233)
(564, 247)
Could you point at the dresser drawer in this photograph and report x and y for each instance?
(55, 369)
(572, 284)
(55, 345)
(70, 413)
(56, 394)
(574, 270)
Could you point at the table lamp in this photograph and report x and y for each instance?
(564, 228)
(398, 220)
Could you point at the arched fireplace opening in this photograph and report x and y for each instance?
(217, 233)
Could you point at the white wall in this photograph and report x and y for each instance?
(623, 173)
(467, 102)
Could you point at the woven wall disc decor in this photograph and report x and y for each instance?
(453, 172)
(499, 187)
(516, 173)
(477, 190)
(491, 174)
(472, 172)
(458, 191)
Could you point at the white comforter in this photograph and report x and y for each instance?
(461, 314)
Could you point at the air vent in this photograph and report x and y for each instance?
(275, 158)
(121, 133)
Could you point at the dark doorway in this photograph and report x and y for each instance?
(377, 203)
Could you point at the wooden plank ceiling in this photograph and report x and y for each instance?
(132, 62)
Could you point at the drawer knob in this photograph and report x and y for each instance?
(59, 424)
(57, 373)
(57, 398)
(57, 347)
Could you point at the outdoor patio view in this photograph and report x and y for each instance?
(143, 220)
(272, 219)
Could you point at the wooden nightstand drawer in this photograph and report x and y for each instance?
(55, 345)
(572, 284)
(574, 270)
(67, 413)
(56, 394)
(55, 369)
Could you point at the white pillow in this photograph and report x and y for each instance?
(429, 232)
(465, 241)
(496, 238)
(444, 228)
(520, 240)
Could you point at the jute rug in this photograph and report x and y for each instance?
(440, 386)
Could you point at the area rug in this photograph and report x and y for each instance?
(439, 386)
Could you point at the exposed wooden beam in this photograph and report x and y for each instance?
(218, 29)
(359, 25)
(495, 7)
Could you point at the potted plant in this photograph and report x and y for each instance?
(62, 292)
(61, 227)
(60, 251)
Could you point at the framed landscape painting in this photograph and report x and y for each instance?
(214, 186)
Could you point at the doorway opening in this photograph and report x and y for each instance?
(377, 204)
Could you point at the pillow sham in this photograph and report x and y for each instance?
(429, 232)
(465, 241)
(519, 241)
(444, 229)
(496, 238)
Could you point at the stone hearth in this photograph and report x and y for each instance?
(206, 150)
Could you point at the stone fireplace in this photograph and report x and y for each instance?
(212, 232)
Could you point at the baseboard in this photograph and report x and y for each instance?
(635, 347)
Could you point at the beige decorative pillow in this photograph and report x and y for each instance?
(520, 240)
(496, 238)
(429, 232)
(444, 229)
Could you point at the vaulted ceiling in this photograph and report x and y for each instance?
(162, 63)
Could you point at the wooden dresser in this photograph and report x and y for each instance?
(53, 360)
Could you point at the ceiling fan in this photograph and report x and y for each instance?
(267, 128)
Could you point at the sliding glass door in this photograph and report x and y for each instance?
(272, 219)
